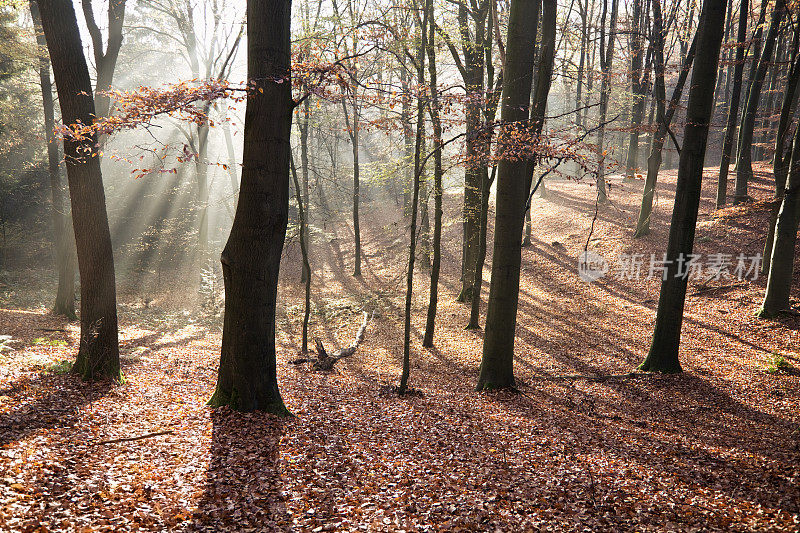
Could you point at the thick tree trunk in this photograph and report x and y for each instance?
(98, 354)
(663, 356)
(733, 107)
(664, 119)
(62, 221)
(247, 379)
(779, 282)
(497, 364)
(744, 165)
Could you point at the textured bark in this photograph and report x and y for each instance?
(779, 282)
(744, 165)
(733, 108)
(664, 118)
(497, 364)
(663, 355)
(98, 353)
(63, 236)
(247, 379)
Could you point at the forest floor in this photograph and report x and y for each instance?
(584, 446)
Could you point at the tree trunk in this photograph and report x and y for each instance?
(733, 107)
(779, 282)
(744, 165)
(304, 250)
(664, 119)
(303, 126)
(419, 167)
(62, 232)
(247, 379)
(606, 62)
(98, 354)
(663, 356)
(427, 340)
(497, 364)
(638, 88)
(782, 156)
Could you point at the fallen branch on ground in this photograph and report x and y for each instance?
(325, 361)
(140, 437)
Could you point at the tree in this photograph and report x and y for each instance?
(497, 363)
(779, 282)
(62, 221)
(733, 108)
(639, 82)
(606, 61)
(247, 379)
(664, 118)
(663, 355)
(98, 353)
(744, 165)
(105, 60)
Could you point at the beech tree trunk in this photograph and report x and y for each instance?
(664, 119)
(436, 121)
(62, 221)
(744, 164)
(98, 353)
(497, 364)
(733, 106)
(247, 379)
(663, 356)
(639, 81)
(779, 282)
(606, 62)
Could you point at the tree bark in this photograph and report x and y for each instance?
(62, 221)
(744, 165)
(664, 119)
(247, 379)
(436, 121)
(639, 82)
(733, 108)
(663, 355)
(304, 250)
(779, 282)
(606, 62)
(497, 364)
(98, 354)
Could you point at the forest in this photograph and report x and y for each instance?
(399, 265)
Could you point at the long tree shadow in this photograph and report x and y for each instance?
(243, 484)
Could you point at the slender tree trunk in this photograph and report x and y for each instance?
(247, 379)
(427, 340)
(733, 107)
(782, 156)
(98, 354)
(664, 119)
(779, 282)
(303, 127)
(62, 221)
(497, 364)
(419, 167)
(352, 130)
(606, 62)
(475, 311)
(744, 165)
(639, 89)
(304, 250)
(663, 356)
